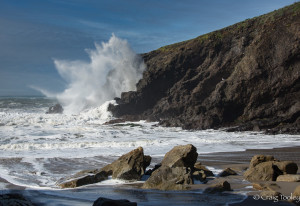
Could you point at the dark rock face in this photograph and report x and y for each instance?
(56, 109)
(109, 202)
(246, 76)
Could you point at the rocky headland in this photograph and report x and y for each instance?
(243, 77)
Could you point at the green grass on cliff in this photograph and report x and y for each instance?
(218, 35)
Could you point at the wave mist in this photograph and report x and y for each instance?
(113, 68)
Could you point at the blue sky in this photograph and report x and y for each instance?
(34, 32)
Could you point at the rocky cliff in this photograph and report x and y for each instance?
(245, 77)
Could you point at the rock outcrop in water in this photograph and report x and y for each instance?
(56, 109)
(130, 166)
(245, 76)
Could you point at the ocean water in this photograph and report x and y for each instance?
(38, 149)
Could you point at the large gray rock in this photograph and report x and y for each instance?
(101, 201)
(181, 156)
(168, 178)
(130, 166)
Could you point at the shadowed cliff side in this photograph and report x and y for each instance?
(245, 76)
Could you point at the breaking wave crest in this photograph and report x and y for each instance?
(113, 68)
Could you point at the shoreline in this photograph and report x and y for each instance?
(238, 161)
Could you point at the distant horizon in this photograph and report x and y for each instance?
(35, 33)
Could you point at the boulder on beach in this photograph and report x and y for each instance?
(56, 109)
(175, 172)
(269, 170)
(168, 178)
(219, 187)
(101, 201)
(130, 166)
(181, 156)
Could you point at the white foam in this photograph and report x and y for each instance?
(113, 68)
(44, 141)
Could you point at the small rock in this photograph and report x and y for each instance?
(288, 178)
(258, 186)
(199, 167)
(217, 188)
(56, 109)
(181, 156)
(227, 172)
(101, 201)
